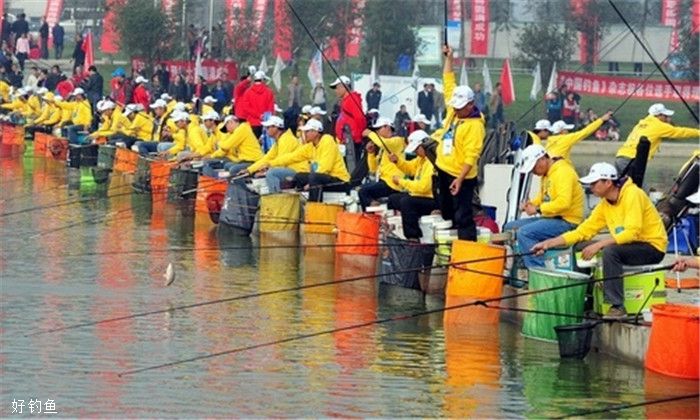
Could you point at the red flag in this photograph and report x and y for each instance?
(696, 16)
(87, 49)
(283, 32)
(507, 86)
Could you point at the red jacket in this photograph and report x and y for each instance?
(141, 96)
(256, 101)
(351, 114)
(238, 92)
(64, 88)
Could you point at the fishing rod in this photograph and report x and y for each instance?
(618, 407)
(481, 302)
(656, 63)
(265, 293)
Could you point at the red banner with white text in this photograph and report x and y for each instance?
(259, 11)
(109, 41)
(480, 27)
(454, 10)
(234, 9)
(622, 87)
(695, 19)
(212, 70)
(669, 12)
(283, 32)
(53, 11)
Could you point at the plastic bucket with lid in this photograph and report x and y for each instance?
(279, 212)
(674, 341)
(427, 227)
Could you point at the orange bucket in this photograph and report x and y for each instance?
(57, 148)
(674, 342)
(125, 160)
(357, 229)
(486, 279)
(160, 173)
(7, 135)
(320, 217)
(19, 136)
(40, 142)
(207, 186)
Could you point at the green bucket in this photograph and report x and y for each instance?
(566, 301)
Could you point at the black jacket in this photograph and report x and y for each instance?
(373, 98)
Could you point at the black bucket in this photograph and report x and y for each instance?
(575, 339)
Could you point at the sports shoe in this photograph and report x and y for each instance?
(615, 313)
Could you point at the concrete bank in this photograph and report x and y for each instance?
(608, 149)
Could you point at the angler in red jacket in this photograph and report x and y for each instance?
(256, 101)
(351, 113)
(140, 94)
(241, 87)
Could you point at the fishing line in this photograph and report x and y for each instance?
(656, 63)
(618, 407)
(481, 302)
(260, 294)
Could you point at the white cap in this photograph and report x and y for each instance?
(166, 97)
(159, 103)
(58, 98)
(140, 79)
(260, 75)
(312, 124)
(543, 125)
(78, 91)
(180, 116)
(106, 104)
(317, 111)
(373, 111)
(342, 79)
(211, 115)
(600, 170)
(273, 121)
(131, 108)
(20, 92)
(230, 118)
(694, 198)
(180, 106)
(29, 89)
(306, 109)
(660, 109)
(560, 125)
(209, 100)
(251, 69)
(461, 96)
(415, 139)
(277, 108)
(382, 121)
(531, 155)
(41, 91)
(420, 118)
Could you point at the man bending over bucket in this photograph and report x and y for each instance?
(328, 171)
(378, 162)
(638, 234)
(556, 209)
(285, 143)
(417, 200)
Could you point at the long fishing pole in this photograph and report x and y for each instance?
(656, 63)
(266, 293)
(481, 302)
(619, 407)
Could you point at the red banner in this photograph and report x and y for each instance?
(234, 8)
(354, 31)
(212, 70)
(283, 32)
(480, 27)
(507, 85)
(454, 10)
(259, 11)
(669, 12)
(53, 11)
(622, 87)
(89, 52)
(2, 10)
(696, 16)
(109, 41)
(167, 6)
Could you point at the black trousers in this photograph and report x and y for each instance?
(127, 140)
(412, 209)
(38, 128)
(457, 208)
(318, 183)
(373, 191)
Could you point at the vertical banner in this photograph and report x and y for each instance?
(235, 9)
(695, 19)
(2, 10)
(283, 32)
(669, 12)
(89, 52)
(53, 11)
(259, 12)
(480, 27)
(109, 41)
(167, 6)
(354, 33)
(507, 86)
(454, 10)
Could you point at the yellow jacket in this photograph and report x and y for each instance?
(561, 195)
(4, 91)
(141, 127)
(17, 105)
(284, 145)
(80, 112)
(211, 141)
(46, 111)
(386, 169)
(240, 146)
(633, 218)
(191, 137)
(654, 129)
(55, 117)
(33, 106)
(560, 145)
(324, 158)
(422, 171)
(461, 142)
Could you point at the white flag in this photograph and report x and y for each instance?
(463, 77)
(488, 87)
(373, 70)
(315, 72)
(263, 65)
(536, 83)
(415, 75)
(552, 85)
(277, 72)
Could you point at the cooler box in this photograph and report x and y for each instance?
(637, 288)
(559, 259)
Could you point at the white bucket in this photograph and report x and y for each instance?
(444, 239)
(483, 235)
(334, 197)
(427, 227)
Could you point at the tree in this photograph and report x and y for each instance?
(145, 31)
(688, 39)
(547, 44)
(389, 31)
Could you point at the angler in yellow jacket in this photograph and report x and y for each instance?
(637, 233)
(33, 108)
(382, 145)
(328, 171)
(81, 115)
(18, 105)
(139, 128)
(458, 153)
(560, 143)
(109, 124)
(416, 200)
(556, 209)
(4, 91)
(541, 132)
(45, 121)
(239, 148)
(285, 144)
(655, 127)
(188, 137)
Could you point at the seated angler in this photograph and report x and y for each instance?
(327, 167)
(109, 121)
(541, 132)
(160, 109)
(80, 115)
(557, 208)
(212, 136)
(140, 127)
(238, 149)
(285, 143)
(417, 199)
(381, 146)
(187, 137)
(637, 233)
(561, 141)
(50, 115)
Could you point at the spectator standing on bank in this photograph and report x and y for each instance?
(294, 98)
(554, 104)
(22, 49)
(374, 96)
(570, 109)
(93, 86)
(401, 121)
(58, 34)
(438, 103)
(425, 101)
(6, 29)
(44, 38)
(78, 53)
(498, 116)
(20, 26)
(480, 100)
(318, 96)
